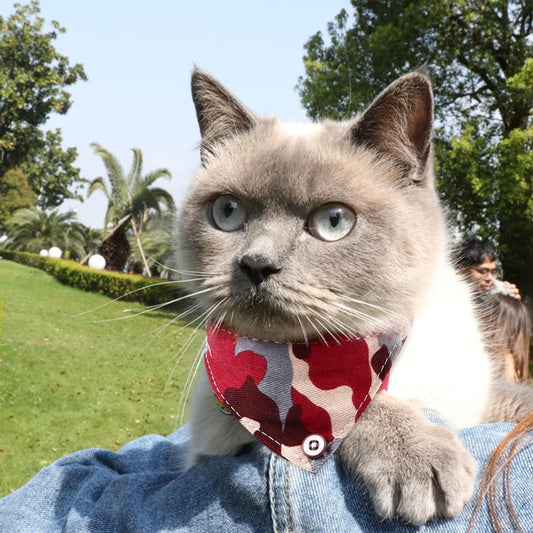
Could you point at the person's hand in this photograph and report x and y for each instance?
(513, 289)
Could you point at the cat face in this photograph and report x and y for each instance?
(295, 232)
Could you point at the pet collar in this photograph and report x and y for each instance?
(300, 400)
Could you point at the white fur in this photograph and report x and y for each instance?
(443, 365)
(298, 129)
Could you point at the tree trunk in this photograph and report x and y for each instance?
(141, 251)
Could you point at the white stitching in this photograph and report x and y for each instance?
(226, 400)
(357, 409)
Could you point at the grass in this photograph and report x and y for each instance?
(69, 382)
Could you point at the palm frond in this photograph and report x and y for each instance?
(165, 198)
(98, 184)
(115, 174)
(153, 176)
(135, 175)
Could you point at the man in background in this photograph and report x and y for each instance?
(476, 259)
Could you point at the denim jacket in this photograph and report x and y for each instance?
(143, 488)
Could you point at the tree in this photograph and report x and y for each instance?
(158, 239)
(50, 169)
(480, 56)
(15, 193)
(34, 230)
(132, 199)
(33, 81)
(92, 239)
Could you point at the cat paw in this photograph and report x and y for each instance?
(414, 471)
(435, 477)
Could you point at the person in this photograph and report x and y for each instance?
(476, 259)
(507, 327)
(144, 487)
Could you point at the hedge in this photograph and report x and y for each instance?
(114, 284)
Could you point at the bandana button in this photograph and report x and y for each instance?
(314, 446)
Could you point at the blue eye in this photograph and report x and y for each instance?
(332, 222)
(228, 213)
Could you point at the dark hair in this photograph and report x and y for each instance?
(473, 252)
(507, 328)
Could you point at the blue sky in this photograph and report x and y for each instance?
(138, 56)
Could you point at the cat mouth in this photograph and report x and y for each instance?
(295, 311)
(269, 310)
(290, 316)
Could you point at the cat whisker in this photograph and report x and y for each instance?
(198, 359)
(202, 320)
(166, 267)
(220, 321)
(319, 333)
(325, 327)
(373, 322)
(172, 282)
(331, 315)
(343, 328)
(379, 308)
(193, 372)
(155, 307)
(194, 279)
(304, 333)
(183, 350)
(158, 331)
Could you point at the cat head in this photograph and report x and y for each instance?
(294, 231)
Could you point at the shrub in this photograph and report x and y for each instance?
(114, 284)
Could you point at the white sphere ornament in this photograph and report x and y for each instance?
(43, 253)
(55, 252)
(97, 262)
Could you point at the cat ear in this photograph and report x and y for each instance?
(399, 123)
(220, 114)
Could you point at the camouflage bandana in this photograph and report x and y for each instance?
(299, 400)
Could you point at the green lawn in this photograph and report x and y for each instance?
(69, 382)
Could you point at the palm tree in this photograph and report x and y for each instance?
(158, 240)
(132, 199)
(92, 238)
(34, 230)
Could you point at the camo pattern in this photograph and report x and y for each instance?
(283, 392)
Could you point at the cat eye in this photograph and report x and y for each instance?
(331, 222)
(228, 213)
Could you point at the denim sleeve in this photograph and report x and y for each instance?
(144, 488)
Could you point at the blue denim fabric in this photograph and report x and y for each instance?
(143, 488)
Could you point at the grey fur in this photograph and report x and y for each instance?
(226, 435)
(282, 178)
(379, 165)
(509, 402)
(411, 467)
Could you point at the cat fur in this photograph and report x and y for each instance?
(394, 265)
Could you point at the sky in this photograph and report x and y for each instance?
(138, 56)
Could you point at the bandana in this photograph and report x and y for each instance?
(300, 400)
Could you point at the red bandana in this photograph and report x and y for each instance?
(298, 400)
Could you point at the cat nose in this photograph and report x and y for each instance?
(257, 267)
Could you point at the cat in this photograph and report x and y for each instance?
(301, 231)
